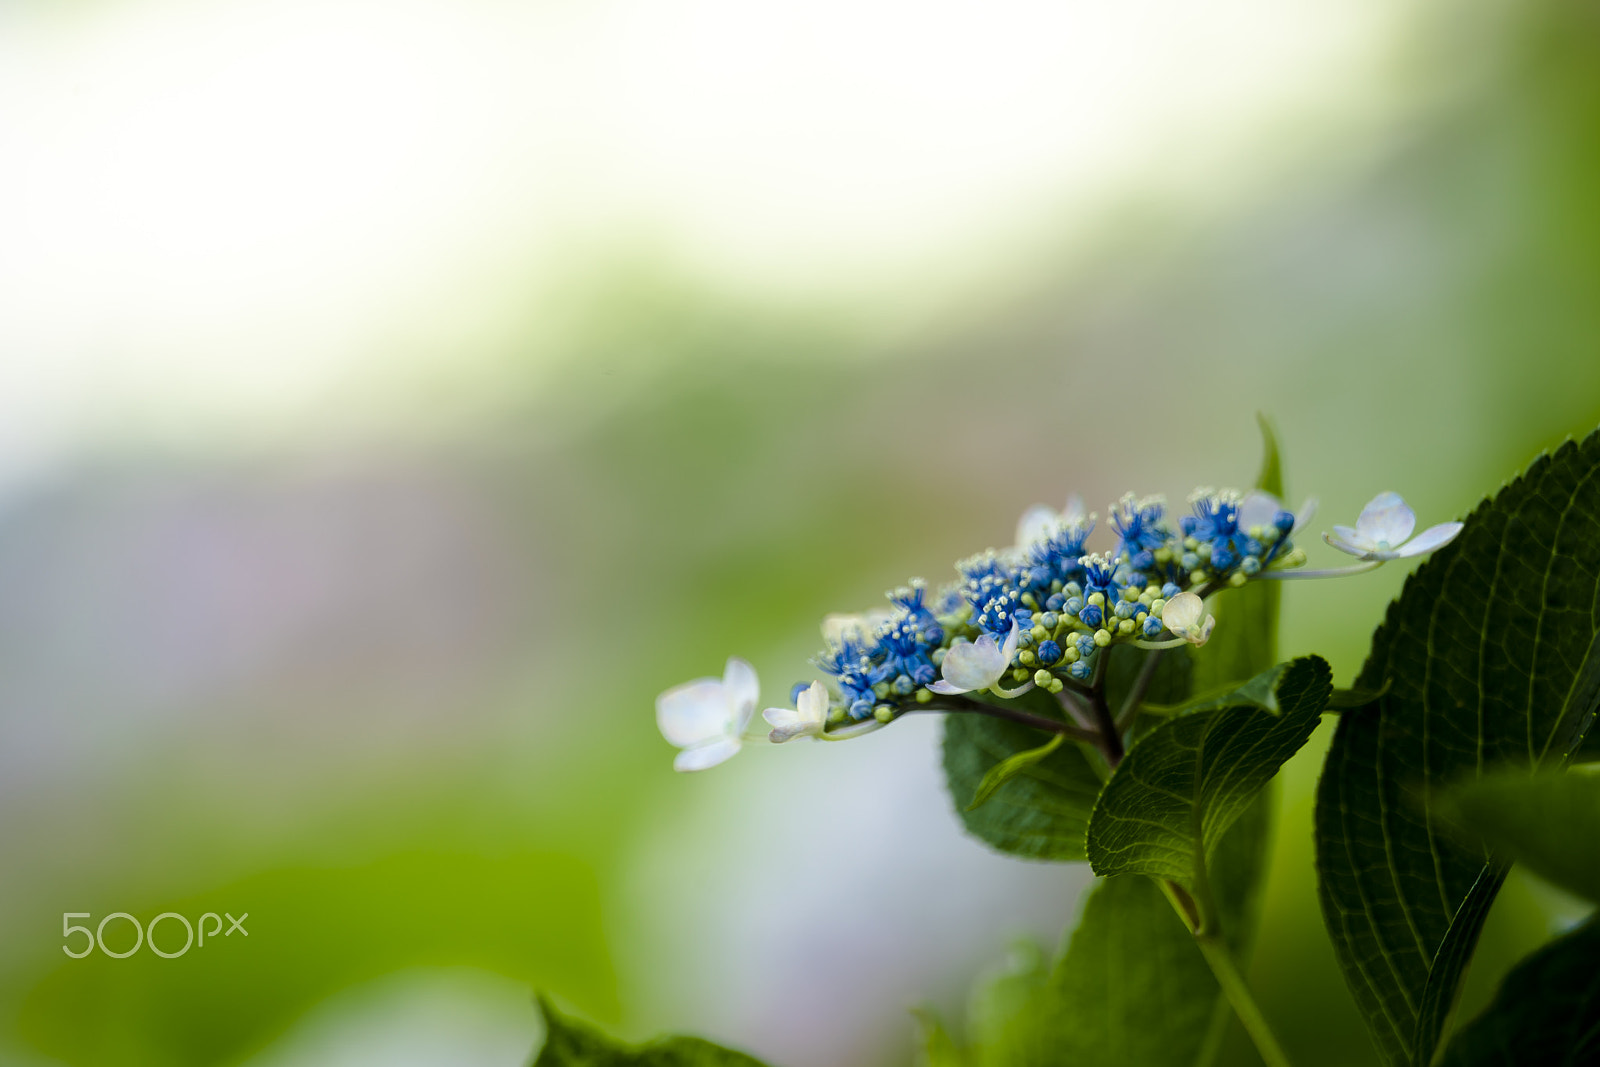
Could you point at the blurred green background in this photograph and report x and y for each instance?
(395, 397)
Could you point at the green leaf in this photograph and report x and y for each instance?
(1547, 1010)
(1489, 656)
(1131, 989)
(936, 1047)
(1181, 787)
(1260, 692)
(1547, 822)
(1011, 766)
(1041, 811)
(1270, 477)
(1588, 750)
(568, 1043)
(1351, 699)
(1139, 990)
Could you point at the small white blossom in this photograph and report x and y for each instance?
(806, 718)
(1383, 529)
(706, 717)
(1182, 616)
(1041, 521)
(976, 665)
(1261, 509)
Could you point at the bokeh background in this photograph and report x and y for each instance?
(394, 397)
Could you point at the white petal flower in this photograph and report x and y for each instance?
(706, 717)
(1261, 509)
(976, 665)
(1383, 529)
(806, 718)
(1041, 521)
(1182, 616)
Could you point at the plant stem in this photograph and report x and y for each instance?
(1076, 708)
(1234, 988)
(1329, 572)
(1200, 917)
(1025, 718)
(1106, 736)
(1141, 686)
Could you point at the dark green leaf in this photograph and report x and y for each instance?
(568, 1043)
(1258, 692)
(1181, 787)
(1042, 812)
(1546, 1012)
(1588, 750)
(1011, 766)
(1489, 656)
(1549, 823)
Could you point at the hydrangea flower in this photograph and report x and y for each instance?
(1043, 611)
(706, 718)
(1141, 530)
(1382, 532)
(1182, 616)
(1259, 509)
(977, 665)
(806, 718)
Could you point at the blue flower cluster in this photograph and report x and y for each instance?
(1221, 539)
(879, 666)
(1052, 602)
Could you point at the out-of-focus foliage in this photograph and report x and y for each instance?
(568, 1043)
(1536, 821)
